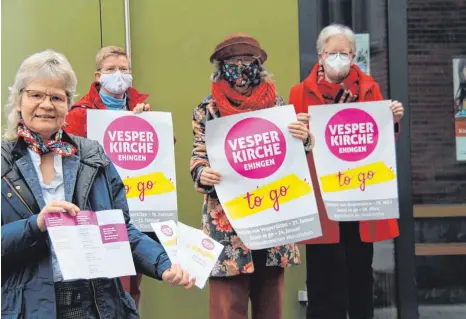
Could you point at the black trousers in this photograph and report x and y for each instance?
(339, 277)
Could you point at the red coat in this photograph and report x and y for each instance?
(76, 120)
(306, 94)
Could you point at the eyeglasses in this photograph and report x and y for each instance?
(38, 97)
(114, 69)
(242, 59)
(342, 55)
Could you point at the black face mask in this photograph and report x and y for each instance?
(241, 75)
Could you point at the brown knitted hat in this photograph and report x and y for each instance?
(237, 44)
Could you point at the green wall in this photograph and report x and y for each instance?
(69, 26)
(171, 45)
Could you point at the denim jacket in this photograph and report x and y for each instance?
(92, 183)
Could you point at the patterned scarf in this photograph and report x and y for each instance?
(36, 144)
(230, 102)
(344, 92)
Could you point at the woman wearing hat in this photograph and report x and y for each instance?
(240, 84)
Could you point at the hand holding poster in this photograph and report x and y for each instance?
(266, 189)
(142, 150)
(356, 160)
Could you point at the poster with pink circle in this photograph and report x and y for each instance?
(266, 190)
(355, 160)
(141, 147)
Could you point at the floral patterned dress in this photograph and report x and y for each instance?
(236, 258)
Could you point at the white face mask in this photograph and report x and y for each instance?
(337, 66)
(117, 82)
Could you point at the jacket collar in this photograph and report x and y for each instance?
(92, 99)
(366, 83)
(26, 167)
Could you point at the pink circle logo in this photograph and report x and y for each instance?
(255, 148)
(131, 142)
(167, 230)
(208, 244)
(352, 135)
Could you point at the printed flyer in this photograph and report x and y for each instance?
(356, 160)
(459, 83)
(167, 234)
(90, 241)
(141, 148)
(266, 190)
(190, 248)
(363, 52)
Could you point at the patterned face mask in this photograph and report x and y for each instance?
(241, 75)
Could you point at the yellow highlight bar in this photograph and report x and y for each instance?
(170, 242)
(273, 195)
(206, 254)
(359, 177)
(149, 184)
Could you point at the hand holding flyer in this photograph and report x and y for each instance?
(90, 241)
(193, 250)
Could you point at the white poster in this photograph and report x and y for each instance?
(141, 146)
(355, 159)
(266, 190)
(363, 52)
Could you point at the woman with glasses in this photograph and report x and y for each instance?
(240, 84)
(45, 170)
(339, 263)
(111, 91)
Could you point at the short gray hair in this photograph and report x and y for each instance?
(332, 31)
(45, 64)
(217, 73)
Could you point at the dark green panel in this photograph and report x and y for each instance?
(69, 26)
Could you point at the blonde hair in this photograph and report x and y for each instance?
(265, 76)
(332, 31)
(105, 52)
(45, 64)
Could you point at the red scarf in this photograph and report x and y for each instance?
(230, 102)
(344, 92)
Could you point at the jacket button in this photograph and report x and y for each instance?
(18, 187)
(9, 195)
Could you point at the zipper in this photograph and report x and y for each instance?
(95, 300)
(18, 195)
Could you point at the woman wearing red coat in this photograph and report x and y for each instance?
(111, 91)
(339, 263)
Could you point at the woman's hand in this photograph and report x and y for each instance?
(209, 177)
(56, 207)
(141, 107)
(304, 118)
(299, 130)
(397, 110)
(177, 276)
